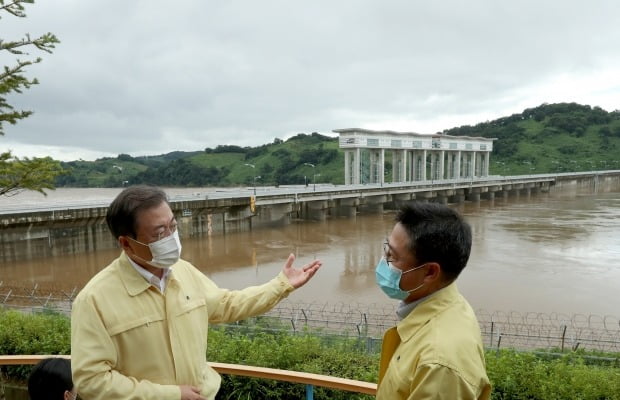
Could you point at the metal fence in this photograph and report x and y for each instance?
(518, 330)
(34, 298)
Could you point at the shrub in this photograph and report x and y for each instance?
(517, 375)
(514, 375)
(43, 333)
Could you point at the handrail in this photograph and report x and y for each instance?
(307, 378)
(331, 382)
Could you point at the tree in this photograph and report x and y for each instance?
(17, 174)
(27, 174)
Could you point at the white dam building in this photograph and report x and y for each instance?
(411, 157)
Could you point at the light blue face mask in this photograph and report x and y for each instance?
(388, 279)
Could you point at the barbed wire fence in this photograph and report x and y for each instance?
(368, 322)
(36, 299)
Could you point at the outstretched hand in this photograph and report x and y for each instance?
(299, 276)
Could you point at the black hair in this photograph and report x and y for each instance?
(122, 212)
(437, 233)
(49, 379)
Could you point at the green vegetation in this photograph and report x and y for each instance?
(17, 174)
(533, 376)
(564, 137)
(514, 375)
(278, 163)
(45, 333)
(283, 350)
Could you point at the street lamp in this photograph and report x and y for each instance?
(313, 175)
(254, 167)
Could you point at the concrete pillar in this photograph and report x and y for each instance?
(459, 198)
(345, 208)
(486, 164)
(490, 195)
(399, 166)
(373, 204)
(401, 199)
(373, 174)
(345, 211)
(409, 165)
(403, 166)
(418, 168)
(412, 168)
(347, 166)
(457, 168)
(357, 166)
(272, 215)
(315, 210)
(473, 165)
(382, 166)
(442, 154)
(424, 174)
(372, 208)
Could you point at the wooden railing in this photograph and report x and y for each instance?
(310, 380)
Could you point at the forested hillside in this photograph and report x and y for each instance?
(277, 163)
(550, 138)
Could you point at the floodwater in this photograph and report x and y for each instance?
(548, 253)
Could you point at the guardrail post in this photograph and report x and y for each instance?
(309, 392)
(491, 336)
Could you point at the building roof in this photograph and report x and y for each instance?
(426, 135)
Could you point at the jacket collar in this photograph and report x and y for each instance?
(133, 281)
(431, 306)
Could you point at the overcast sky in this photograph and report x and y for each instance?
(149, 76)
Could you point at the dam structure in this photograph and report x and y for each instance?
(25, 228)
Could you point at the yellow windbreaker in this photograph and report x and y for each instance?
(435, 353)
(130, 341)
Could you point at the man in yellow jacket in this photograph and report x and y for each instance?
(435, 351)
(139, 327)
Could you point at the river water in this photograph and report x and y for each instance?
(548, 253)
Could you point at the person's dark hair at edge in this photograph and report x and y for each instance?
(49, 379)
(123, 211)
(438, 234)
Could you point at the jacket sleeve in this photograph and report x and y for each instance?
(233, 305)
(93, 357)
(440, 382)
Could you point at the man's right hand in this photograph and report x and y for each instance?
(190, 393)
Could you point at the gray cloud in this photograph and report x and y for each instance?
(149, 77)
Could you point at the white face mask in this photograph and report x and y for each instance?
(165, 251)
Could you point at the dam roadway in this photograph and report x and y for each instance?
(222, 210)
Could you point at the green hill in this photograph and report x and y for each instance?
(560, 137)
(278, 163)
